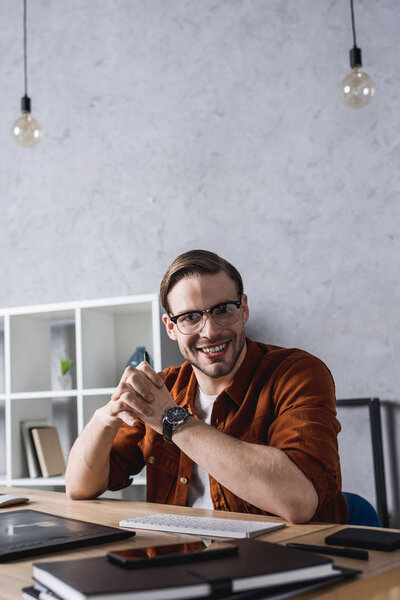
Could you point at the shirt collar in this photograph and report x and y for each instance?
(237, 389)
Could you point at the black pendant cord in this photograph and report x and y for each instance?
(25, 100)
(355, 52)
(25, 54)
(352, 23)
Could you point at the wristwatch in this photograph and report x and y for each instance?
(172, 418)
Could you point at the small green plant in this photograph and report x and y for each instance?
(65, 364)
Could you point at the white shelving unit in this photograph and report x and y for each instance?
(100, 336)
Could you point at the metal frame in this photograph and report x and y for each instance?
(374, 408)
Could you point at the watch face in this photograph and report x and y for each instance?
(176, 415)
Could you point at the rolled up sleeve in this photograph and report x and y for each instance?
(306, 427)
(126, 458)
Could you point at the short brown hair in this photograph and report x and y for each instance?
(196, 263)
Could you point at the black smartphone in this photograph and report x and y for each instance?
(153, 556)
(373, 538)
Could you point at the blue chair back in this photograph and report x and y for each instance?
(361, 512)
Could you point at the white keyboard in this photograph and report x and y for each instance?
(201, 526)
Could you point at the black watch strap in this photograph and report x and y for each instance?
(167, 432)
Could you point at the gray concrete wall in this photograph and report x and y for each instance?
(170, 125)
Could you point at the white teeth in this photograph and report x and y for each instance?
(214, 349)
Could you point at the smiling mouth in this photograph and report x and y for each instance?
(214, 350)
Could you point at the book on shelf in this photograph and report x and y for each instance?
(30, 452)
(48, 449)
(257, 565)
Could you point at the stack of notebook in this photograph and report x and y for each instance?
(258, 570)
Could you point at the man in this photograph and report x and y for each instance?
(240, 426)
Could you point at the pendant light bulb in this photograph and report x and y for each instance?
(357, 88)
(26, 130)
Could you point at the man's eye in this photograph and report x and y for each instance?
(190, 318)
(221, 309)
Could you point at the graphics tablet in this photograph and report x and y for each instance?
(30, 532)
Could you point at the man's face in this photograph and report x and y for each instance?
(215, 351)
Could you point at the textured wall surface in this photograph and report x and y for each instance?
(215, 124)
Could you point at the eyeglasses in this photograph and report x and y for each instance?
(226, 313)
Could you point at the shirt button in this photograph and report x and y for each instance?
(151, 460)
(183, 480)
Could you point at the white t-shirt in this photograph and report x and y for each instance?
(199, 494)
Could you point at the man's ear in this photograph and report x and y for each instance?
(245, 309)
(169, 326)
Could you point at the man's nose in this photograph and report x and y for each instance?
(210, 327)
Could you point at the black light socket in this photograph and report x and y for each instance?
(25, 104)
(355, 57)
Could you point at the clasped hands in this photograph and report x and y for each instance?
(141, 395)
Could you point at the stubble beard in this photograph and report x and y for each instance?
(217, 369)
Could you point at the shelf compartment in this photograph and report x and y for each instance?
(60, 412)
(110, 335)
(37, 342)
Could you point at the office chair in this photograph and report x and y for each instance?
(361, 512)
(373, 405)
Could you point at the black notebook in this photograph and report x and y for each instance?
(257, 565)
(29, 532)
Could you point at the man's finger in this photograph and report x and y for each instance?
(132, 404)
(138, 383)
(151, 374)
(127, 373)
(128, 418)
(121, 389)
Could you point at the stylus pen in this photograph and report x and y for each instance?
(146, 356)
(347, 552)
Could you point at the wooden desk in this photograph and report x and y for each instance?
(380, 579)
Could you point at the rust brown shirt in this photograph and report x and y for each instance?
(279, 397)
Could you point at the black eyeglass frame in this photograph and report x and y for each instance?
(237, 303)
